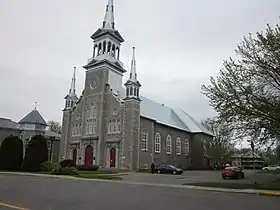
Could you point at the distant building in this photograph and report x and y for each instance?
(247, 160)
(113, 126)
(32, 124)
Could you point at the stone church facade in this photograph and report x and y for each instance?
(111, 125)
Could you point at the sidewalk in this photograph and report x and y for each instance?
(244, 191)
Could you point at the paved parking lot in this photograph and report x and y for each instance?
(44, 193)
(196, 176)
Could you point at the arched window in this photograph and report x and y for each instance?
(94, 126)
(110, 127)
(157, 143)
(114, 126)
(187, 147)
(178, 146)
(119, 126)
(168, 145)
(144, 140)
(90, 127)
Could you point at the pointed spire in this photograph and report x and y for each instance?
(109, 20)
(133, 75)
(72, 90)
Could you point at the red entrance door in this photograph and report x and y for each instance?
(112, 158)
(74, 156)
(89, 156)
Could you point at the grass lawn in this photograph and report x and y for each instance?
(275, 185)
(97, 172)
(98, 175)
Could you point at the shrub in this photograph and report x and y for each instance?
(67, 163)
(11, 153)
(48, 166)
(36, 153)
(65, 171)
(88, 168)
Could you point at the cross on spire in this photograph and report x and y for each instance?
(35, 105)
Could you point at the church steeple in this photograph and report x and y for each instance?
(72, 90)
(107, 42)
(71, 97)
(109, 19)
(132, 84)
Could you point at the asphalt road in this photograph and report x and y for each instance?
(197, 176)
(40, 193)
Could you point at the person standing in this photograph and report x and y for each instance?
(153, 168)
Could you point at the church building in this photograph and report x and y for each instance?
(113, 126)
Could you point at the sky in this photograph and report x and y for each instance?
(179, 45)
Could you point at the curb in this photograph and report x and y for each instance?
(190, 187)
(271, 194)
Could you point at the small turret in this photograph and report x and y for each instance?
(132, 85)
(71, 97)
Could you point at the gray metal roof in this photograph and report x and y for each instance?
(52, 134)
(176, 118)
(34, 117)
(8, 123)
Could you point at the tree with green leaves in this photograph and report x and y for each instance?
(246, 92)
(11, 153)
(54, 126)
(36, 153)
(221, 147)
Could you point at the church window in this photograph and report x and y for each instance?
(99, 49)
(187, 147)
(127, 91)
(157, 143)
(113, 50)
(119, 126)
(137, 92)
(144, 140)
(87, 127)
(178, 146)
(94, 112)
(109, 48)
(104, 47)
(114, 127)
(168, 144)
(110, 127)
(90, 127)
(130, 91)
(94, 126)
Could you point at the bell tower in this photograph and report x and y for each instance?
(132, 118)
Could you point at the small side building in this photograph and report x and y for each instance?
(247, 160)
(31, 124)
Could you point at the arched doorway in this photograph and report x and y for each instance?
(113, 157)
(74, 156)
(89, 156)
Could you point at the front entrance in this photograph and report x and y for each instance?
(74, 156)
(89, 156)
(113, 157)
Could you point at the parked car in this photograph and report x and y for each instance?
(232, 172)
(168, 169)
(271, 168)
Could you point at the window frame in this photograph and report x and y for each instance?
(157, 143)
(168, 145)
(144, 138)
(178, 146)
